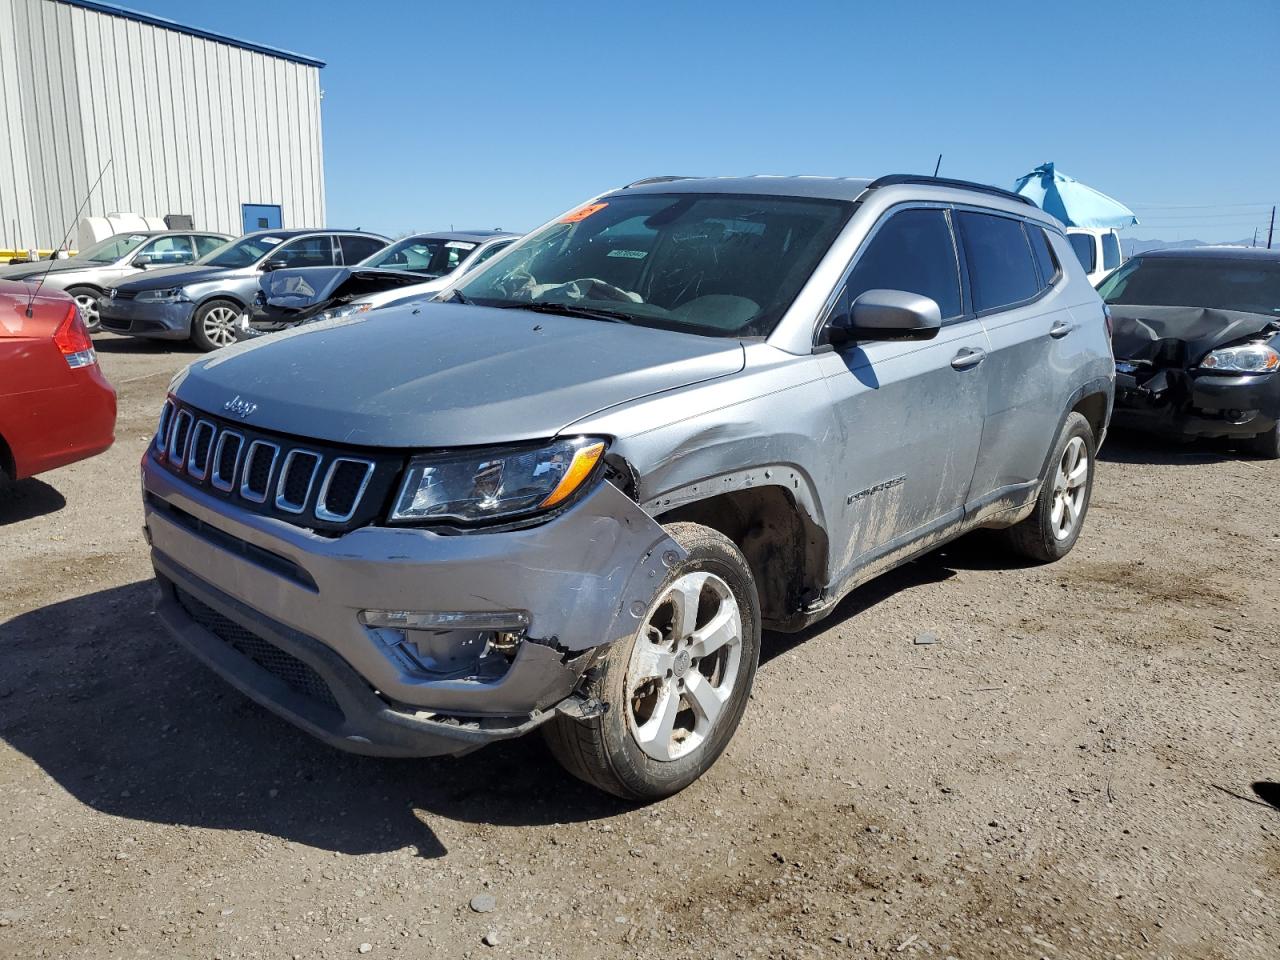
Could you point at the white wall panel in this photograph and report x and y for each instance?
(191, 124)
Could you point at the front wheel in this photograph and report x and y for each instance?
(675, 691)
(1054, 526)
(86, 299)
(214, 325)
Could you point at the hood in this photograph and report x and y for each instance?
(446, 375)
(1179, 336)
(162, 277)
(17, 271)
(308, 287)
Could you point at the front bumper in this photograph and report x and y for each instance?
(142, 318)
(585, 578)
(1187, 404)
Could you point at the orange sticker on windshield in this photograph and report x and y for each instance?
(583, 212)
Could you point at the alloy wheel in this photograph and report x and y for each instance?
(219, 326)
(684, 666)
(89, 311)
(1070, 485)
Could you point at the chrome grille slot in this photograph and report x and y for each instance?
(179, 435)
(344, 485)
(255, 478)
(201, 449)
(297, 475)
(226, 460)
(162, 429)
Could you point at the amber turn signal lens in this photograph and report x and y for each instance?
(583, 461)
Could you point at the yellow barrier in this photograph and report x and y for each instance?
(7, 255)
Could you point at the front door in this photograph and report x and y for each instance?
(261, 216)
(909, 413)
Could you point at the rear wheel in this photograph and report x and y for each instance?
(675, 691)
(87, 299)
(214, 325)
(1267, 444)
(1054, 526)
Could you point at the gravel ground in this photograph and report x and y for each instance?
(1078, 768)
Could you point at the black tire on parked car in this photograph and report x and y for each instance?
(1267, 444)
(1055, 524)
(87, 298)
(673, 695)
(214, 324)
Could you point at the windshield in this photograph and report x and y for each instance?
(244, 252)
(1249, 286)
(113, 248)
(716, 264)
(429, 256)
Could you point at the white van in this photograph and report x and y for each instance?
(1098, 249)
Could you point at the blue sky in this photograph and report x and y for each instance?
(500, 113)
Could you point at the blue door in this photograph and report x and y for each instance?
(261, 216)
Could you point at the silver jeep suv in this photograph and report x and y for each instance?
(570, 495)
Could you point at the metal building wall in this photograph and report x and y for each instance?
(191, 125)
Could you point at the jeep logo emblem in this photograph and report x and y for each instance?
(241, 408)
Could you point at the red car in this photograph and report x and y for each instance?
(56, 407)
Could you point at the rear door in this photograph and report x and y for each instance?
(909, 413)
(1017, 290)
(356, 248)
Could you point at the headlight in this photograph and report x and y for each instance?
(1250, 358)
(171, 295)
(347, 310)
(495, 484)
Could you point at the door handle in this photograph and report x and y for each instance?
(968, 357)
(1061, 329)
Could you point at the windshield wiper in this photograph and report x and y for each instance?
(572, 310)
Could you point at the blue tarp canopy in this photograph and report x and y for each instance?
(1071, 201)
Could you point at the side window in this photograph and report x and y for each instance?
(1043, 251)
(1082, 244)
(1110, 251)
(206, 245)
(176, 249)
(1001, 270)
(912, 251)
(355, 249)
(485, 254)
(306, 252)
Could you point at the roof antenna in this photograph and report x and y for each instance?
(65, 237)
(937, 166)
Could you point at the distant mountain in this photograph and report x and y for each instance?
(1130, 246)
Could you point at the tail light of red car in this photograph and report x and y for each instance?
(73, 340)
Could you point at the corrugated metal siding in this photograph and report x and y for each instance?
(191, 125)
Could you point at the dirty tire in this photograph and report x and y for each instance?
(606, 750)
(1267, 445)
(87, 298)
(1035, 537)
(204, 317)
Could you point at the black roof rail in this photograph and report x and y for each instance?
(664, 179)
(894, 179)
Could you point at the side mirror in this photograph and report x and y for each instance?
(889, 315)
(275, 263)
(143, 260)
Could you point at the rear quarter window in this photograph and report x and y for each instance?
(1002, 271)
(1046, 260)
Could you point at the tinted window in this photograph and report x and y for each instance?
(307, 252)
(1082, 244)
(1044, 255)
(1110, 251)
(206, 245)
(1249, 286)
(716, 264)
(355, 249)
(912, 251)
(1001, 270)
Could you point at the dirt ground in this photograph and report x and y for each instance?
(1080, 767)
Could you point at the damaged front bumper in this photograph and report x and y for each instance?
(1188, 403)
(276, 610)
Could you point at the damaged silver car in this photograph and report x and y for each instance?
(570, 495)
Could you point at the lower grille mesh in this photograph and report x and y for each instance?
(289, 669)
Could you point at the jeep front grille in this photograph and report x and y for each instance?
(305, 483)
